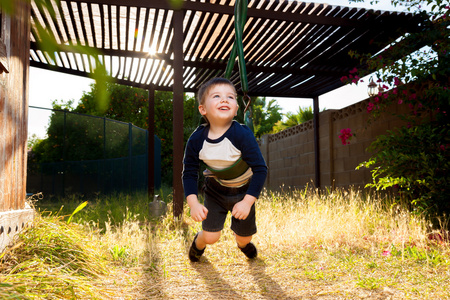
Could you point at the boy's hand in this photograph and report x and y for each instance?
(198, 211)
(242, 208)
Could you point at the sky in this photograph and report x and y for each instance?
(46, 86)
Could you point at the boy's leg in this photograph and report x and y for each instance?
(199, 243)
(246, 246)
(242, 241)
(206, 238)
(244, 231)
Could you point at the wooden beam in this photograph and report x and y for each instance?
(227, 9)
(217, 65)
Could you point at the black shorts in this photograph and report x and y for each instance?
(219, 200)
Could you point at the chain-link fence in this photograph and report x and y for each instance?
(85, 154)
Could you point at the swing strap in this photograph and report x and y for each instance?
(234, 171)
(240, 16)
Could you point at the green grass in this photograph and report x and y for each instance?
(113, 209)
(336, 244)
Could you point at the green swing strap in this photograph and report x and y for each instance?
(234, 171)
(240, 15)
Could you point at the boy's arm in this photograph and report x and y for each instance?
(253, 157)
(191, 165)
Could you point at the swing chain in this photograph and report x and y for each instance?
(248, 103)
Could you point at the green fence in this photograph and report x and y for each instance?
(88, 154)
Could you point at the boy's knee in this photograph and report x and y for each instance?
(243, 240)
(211, 237)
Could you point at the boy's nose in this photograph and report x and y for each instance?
(223, 99)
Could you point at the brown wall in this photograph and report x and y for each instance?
(15, 35)
(290, 154)
(14, 66)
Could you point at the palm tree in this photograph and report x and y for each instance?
(303, 115)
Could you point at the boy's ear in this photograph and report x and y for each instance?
(202, 110)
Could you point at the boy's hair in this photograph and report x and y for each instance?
(203, 90)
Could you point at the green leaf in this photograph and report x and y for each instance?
(79, 208)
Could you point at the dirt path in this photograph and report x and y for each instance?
(233, 276)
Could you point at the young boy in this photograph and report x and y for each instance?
(235, 172)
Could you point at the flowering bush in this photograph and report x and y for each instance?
(414, 159)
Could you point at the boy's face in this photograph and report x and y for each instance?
(220, 104)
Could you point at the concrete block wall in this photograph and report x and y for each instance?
(290, 154)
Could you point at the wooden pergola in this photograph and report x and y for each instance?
(292, 49)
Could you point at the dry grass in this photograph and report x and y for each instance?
(311, 246)
(335, 246)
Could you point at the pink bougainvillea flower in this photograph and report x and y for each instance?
(344, 78)
(370, 107)
(355, 79)
(386, 253)
(345, 136)
(397, 81)
(354, 70)
(400, 101)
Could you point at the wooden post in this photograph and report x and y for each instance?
(316, 142)
(178, 194)
(151, 143)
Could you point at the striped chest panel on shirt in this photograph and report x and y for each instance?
(219, 155)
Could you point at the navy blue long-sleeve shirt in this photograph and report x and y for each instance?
(238, 141)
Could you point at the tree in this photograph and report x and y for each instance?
(129, 104)
(69, 137)
(32, 141)
(302, 115)
(415, 158)
(85, 135)
(265, 116)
